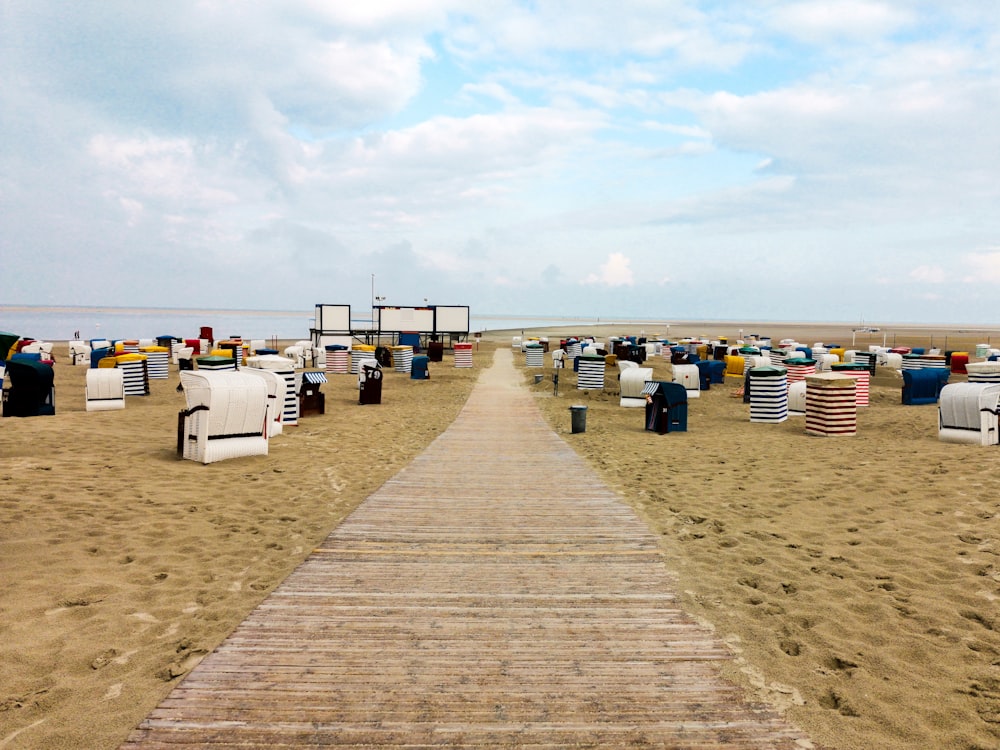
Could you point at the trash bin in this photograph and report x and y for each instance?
(435, 351)
(370, 384)
(578, 414)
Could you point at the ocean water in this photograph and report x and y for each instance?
(65, 323)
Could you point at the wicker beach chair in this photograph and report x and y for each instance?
(632, 382)
(105, 389)
(968, 413)
(226, 416)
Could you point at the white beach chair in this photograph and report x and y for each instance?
(797, 398)
(43, 348)
(968, 413)
(689, 377)
(296, 354)
(226, 416)
(632, 381)
(105, 389)
(79, 353)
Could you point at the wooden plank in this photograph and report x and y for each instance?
(511, 602)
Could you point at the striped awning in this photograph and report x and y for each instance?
(314, 377)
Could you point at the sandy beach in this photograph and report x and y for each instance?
(856, 578)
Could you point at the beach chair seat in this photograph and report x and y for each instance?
(105, 389)
(226, 416)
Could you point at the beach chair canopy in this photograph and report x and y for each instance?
(7, 342)
(672, 393)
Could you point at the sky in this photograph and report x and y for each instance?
(672, 159)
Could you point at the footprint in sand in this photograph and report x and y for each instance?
(790, 647)
(114, 691)
(836, 702)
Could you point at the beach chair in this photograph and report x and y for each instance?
(968, 413)
(105, 389)
(797, 398)
(42, 348)
(983, 372)
(923, 386)
(632, 383)
(79, 353)
(666, 410)
(825, 362)
(226, 416)
(31, 392)
(689, 377)
(296, 354)
(735, 368)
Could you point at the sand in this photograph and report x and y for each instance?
(856, 578)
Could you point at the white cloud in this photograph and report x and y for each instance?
(616, 271)
(928, 275)
(985, 267)
(168, 168)
(817, 20)
(688, 131)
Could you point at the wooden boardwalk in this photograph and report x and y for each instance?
(495, 593)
